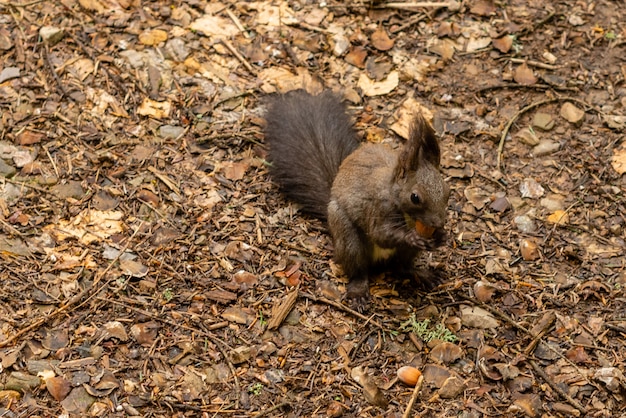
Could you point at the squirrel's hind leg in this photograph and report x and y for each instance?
(352, 254)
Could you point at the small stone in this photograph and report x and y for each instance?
(550, 58)
(71, 189)
(552, 202)
(341, 44)
(545, 147)
(530, 188)
(571, 113)
(51, 34)
(6, 170)
(543, 121)
(177, 49)
(527, 136)
(524, 224)
(171, 132)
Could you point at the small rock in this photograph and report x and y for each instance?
(527, 136)
(51, 34)
(530, 188)
(6, 170)
(552, 202)
(171, 132)
(524, 224)
(571, 113)
(543, 121)
(177, 49)
(71, 189)
(341, 44)
(545, 147)
(550, 57)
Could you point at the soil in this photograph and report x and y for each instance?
(150, 267)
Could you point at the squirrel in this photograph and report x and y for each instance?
(382, 206)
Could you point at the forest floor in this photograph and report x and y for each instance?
(150, 267)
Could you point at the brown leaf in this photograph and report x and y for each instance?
(145, 333)
(221, 296)
(578, 355)
(503, 44)
(356, 56)
(58, 387)
(235, 170)
(524, 75)
(446, 352)
(381, 40)
(483, 7)
(29, 137)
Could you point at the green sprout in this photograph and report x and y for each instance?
(262, 319)
(426, 331)
(168, 294)
(255, 389)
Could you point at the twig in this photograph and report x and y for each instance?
(76, 301)
(237, 55)
(452, 5)
(237, 23)
(16, 5)
(531, 106)
(412, 21)
(272, 409)
(56, 77)
(342, 307)
(409, 407)
(555, 387)
(216, 341)
(524, 86)
(535, 64)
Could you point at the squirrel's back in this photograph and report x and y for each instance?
(308, 138)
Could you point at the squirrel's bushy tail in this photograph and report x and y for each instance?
(308, 138)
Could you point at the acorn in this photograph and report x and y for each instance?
(408, 375)
(424, 230)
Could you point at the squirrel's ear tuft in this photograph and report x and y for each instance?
(422, 147)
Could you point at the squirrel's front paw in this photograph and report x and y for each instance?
(420, 243)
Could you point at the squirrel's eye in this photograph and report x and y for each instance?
(415, 199)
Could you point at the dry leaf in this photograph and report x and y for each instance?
(406, 113)
(378, 88)
(357, 56)
(381, 40)
(618, 160)
(483, 7)
(217, 26)
(524, 75)
(559, 217)
(154, 109)
(503, 44)
(153, 37)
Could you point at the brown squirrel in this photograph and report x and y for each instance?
(381, 205)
